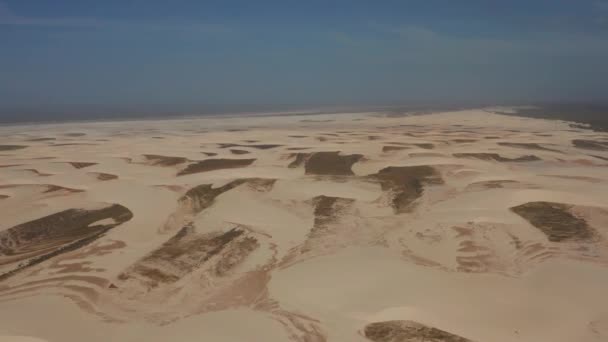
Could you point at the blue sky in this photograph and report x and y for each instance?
(150, 53)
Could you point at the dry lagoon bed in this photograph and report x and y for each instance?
(447, 227)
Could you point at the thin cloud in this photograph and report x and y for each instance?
(601, 5)
(10, 18)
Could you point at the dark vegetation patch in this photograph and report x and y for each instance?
(257, 146)
(408, 331)
(235, 151)
(406, 184)
(327, 212)
(327, 209)
(388, 148)
(35, 241)
(464, 141)
(209, 154)
(74, 144)
(158, 160)
(46, 188)
(38, 173)
(580, 178)
(492, 184)
(311, 120)
(298, 136)
(496, 157)
(297, 148)
(528, 146)
(81, 165)
(427, 146)
(599, 157)
(218, 252)
(75, 134)
(426, 154)
(330, 163)
(12, 147)
(42, 139)
(104, 176)
(203, 196)
(556, 221)
(299, 160)
(10, 165)
(215, 164)
(590, 144)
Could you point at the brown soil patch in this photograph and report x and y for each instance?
(330, 163)
(81, 165)
(496, 157)
(209, 154)
(556, 221)
(408, 331)
(590, 144)
(158, 160)
(406, 184)
(12, 147)
(464, 141)
(35, 241)
(215, 164)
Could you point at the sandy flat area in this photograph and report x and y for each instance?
(447, 227)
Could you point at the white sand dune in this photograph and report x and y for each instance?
(485, 226)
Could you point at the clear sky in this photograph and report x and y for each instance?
(147, 53)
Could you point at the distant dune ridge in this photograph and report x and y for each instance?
(448, 227)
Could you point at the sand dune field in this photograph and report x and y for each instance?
(446, 227)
